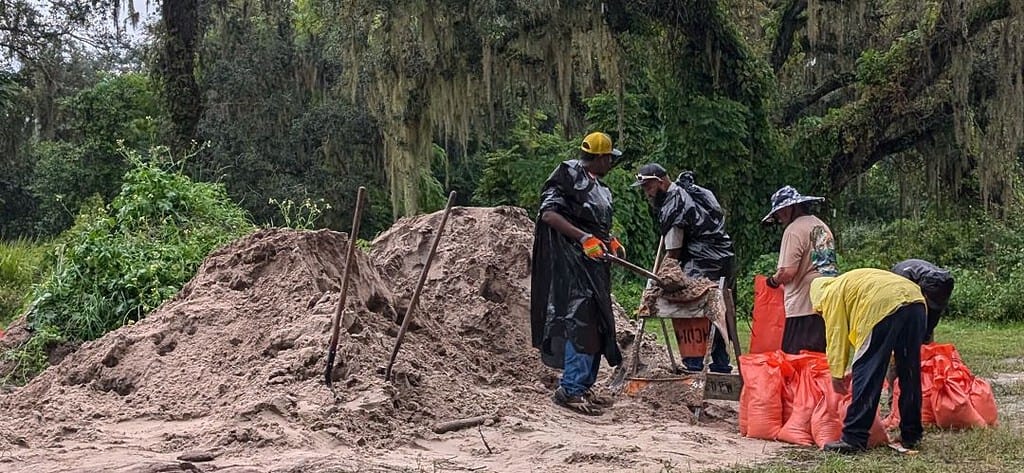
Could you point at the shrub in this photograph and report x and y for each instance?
(121, 261)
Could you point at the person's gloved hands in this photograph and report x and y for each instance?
(617, 249)
(772, 282)
(593, 247)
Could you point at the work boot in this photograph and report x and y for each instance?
(576, 403)
(840, 446)
(599, 400)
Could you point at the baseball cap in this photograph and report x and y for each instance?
(649, 171)
(599, 143)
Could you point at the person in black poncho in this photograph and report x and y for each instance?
(571, 308)
(693, 224)
(936, 284)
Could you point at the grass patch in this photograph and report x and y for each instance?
(21, 265)
(987, 347)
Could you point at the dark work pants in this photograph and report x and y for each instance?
(805, 332)
(900, 334)
(719, 358)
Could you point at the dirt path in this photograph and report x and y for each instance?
(552, 440)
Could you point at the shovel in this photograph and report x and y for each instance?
(419, 287)
(618, 380)
(336, 324)
(634, 268)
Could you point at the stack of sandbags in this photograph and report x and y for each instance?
(789, 398)
(952, 397)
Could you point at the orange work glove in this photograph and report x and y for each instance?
(592, 246)
(617, 249)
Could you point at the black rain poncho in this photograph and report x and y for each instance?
(707, 248)
(570, 293)
(936, 283)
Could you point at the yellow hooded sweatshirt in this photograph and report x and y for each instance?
(852, 304)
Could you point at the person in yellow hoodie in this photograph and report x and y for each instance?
(874, 314)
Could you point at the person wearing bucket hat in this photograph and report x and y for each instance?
(874, 315)
(571, 319)
(693, 225)
(807, 252)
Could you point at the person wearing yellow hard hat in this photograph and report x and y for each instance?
(571, 316)
(875, 314)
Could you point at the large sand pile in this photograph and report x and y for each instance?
(234, 363)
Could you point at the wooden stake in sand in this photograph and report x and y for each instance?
(419, 286)
(460, 424)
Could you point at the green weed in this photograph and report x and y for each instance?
(120, 261)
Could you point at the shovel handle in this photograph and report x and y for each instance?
(419, 287)
(357, 216)
(634, 268)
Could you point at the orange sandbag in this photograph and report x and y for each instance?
(952, 401)
(927, 393)
(839, 404)
(984, 401)
(744, 418)
(798, 364)
(825, 423)
(797, 428)
(769, 317)
(762, 393)
(931, 350)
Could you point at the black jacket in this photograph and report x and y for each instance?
(936, 283)
(707, 248)
(570, 293)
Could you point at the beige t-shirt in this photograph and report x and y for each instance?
(808, 245)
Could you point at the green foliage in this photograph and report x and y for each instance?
(122, 110)
(878, 68)
(31, 357)
(21, 265)
(976, 241)
(121, 261)
(285, 133)
(514, 175)
(985, 255)
(432, 194)
(982, 295)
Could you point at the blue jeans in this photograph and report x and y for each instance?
(580, 372)
(719, 358)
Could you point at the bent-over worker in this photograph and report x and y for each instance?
(874, 314)
(694, 232)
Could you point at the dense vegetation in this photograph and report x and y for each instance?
(905, 114)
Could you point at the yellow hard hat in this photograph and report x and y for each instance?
(599, 143)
